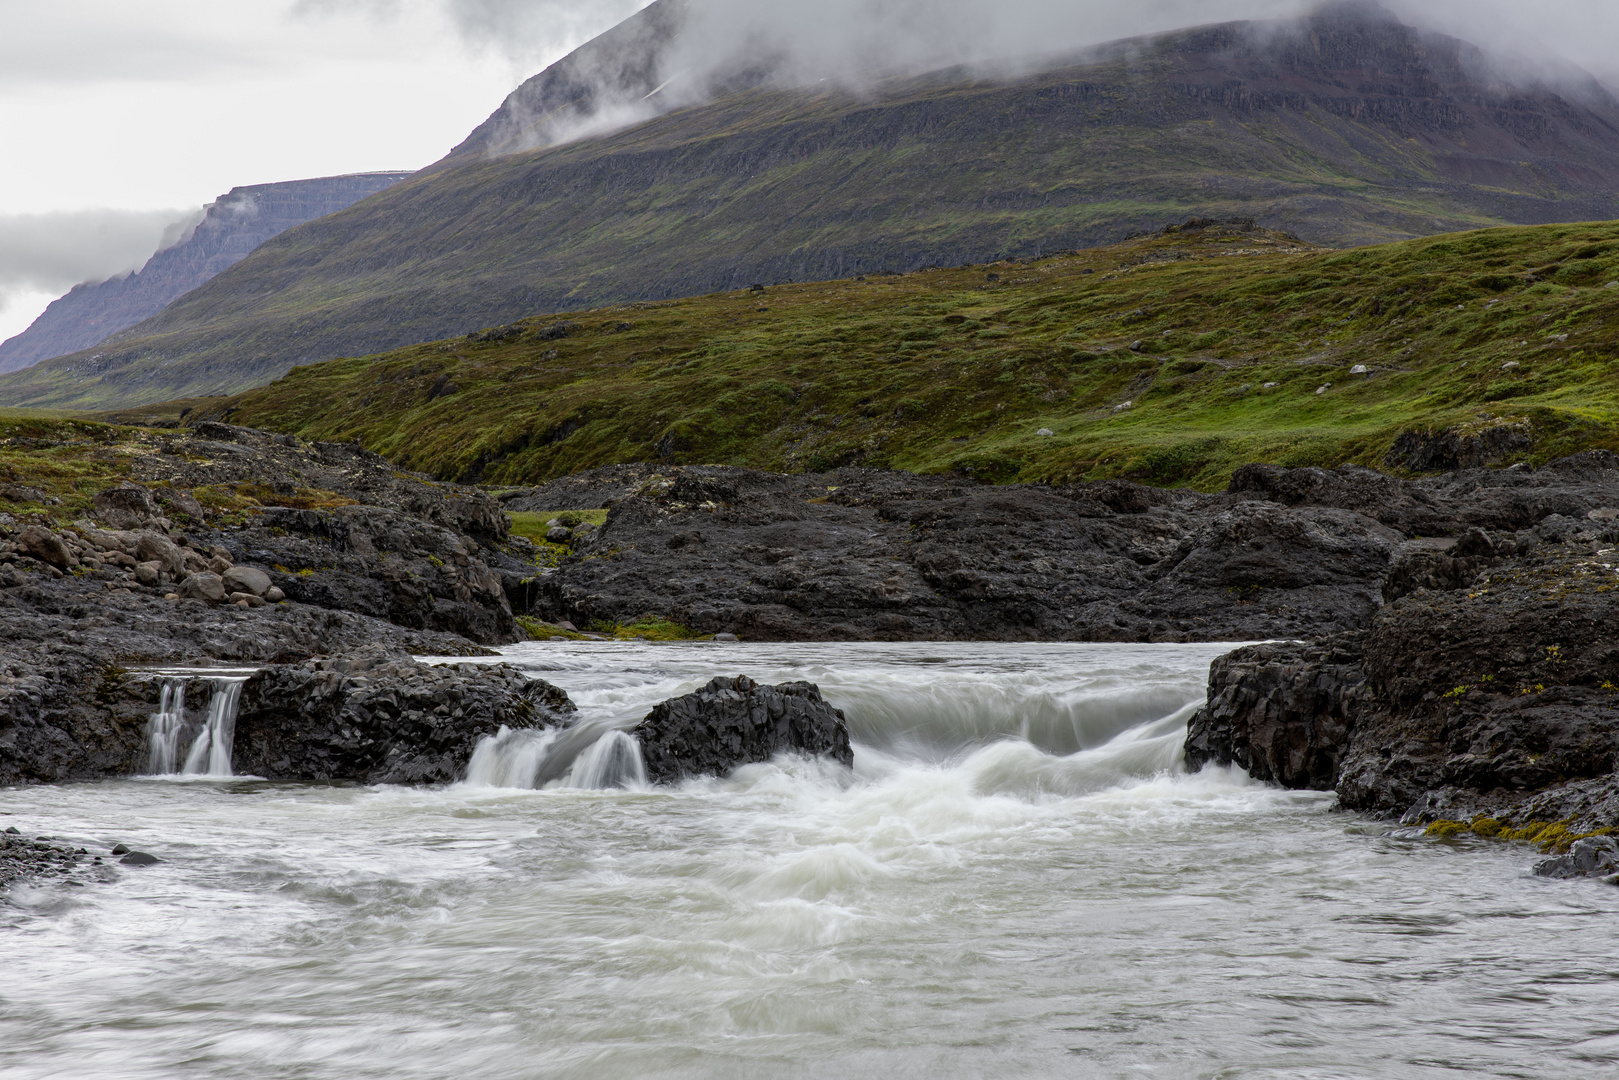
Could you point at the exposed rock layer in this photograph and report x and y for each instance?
(862, 554)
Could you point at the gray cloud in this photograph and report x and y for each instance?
(53, 252)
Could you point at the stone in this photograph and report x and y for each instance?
(124, 507)
(120, 849)
(1043, 432)
(1359, 369)
(377, 716)
(583, 530)
(559, 534)
(726, 637)
(45, 546)
(274, 595)
(1322, 389)
(20, 493)
(150, 547)
(735, 721)
(148, 573)
(247, 579)
(1594, 856)
(140, 858)
(14, 831)
(209, 587)
(245, 599)
(219, 566)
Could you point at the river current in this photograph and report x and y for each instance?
(1017, 880)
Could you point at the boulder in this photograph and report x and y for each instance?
(209, 587)
(247, 579)
(377, 716)
(149, 573)
(1594, 856)
(125, 507)
(736, 721)
(151, 547)
(1282, 711)
(45, 546)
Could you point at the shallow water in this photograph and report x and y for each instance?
(1015, 881)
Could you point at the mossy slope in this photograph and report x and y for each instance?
(1234, 332)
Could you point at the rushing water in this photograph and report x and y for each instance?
(1016, 881)
(208, 737)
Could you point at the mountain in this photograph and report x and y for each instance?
(232, 226)
(1345, 127)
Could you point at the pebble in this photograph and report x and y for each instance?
(1322, 389)
(1045, 431)
(1359, 369)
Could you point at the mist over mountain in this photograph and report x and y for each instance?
(1344, 127)
(224, 233)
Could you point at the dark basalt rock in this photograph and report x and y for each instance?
(1495, 694)
(22, 859)
(1281, 711)
(733, 722)
(1595, 856)
(380, 717)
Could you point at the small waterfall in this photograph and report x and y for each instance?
(583, 756)
(212, 737)
(163, 729)
(614, 760)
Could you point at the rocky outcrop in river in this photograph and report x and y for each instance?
(1485, 690)
(736, 721)
(380, 717)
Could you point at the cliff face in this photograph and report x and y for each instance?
(235, 224)
(1344, 128)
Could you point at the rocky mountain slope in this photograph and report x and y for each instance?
(1345, 128)
(233, 225)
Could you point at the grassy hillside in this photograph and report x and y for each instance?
(774, 185)
(1170, 359)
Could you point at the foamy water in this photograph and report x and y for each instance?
(1015, 880)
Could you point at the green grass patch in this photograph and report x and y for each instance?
(1237, 334)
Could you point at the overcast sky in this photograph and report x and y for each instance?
(118, 116)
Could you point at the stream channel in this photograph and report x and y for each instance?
(1017, 880)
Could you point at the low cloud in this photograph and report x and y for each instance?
(51, 253)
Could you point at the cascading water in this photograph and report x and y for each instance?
(163, 730)
(212, 737)
(1017, 879)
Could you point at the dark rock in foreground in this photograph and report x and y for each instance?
(382, 718)
(734, 722)
(1486, 690)
(1282, 711)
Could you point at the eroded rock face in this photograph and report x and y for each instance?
(1497, 695)
(736, 721)
(1281, 711)
(380, 717)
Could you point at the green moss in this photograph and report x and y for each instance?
(652, 628)
(1550, 836)
(544, 631)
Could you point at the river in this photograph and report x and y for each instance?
(1017, 880)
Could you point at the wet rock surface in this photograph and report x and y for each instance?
(380, 717)
(736, 721)
(369, 556)
(1486, 689)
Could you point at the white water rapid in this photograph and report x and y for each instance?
(208, 737)
(1016, 880)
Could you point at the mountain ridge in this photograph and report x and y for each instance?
(232, 226)
(1343, 129)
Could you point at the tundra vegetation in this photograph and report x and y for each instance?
(1170, 359)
